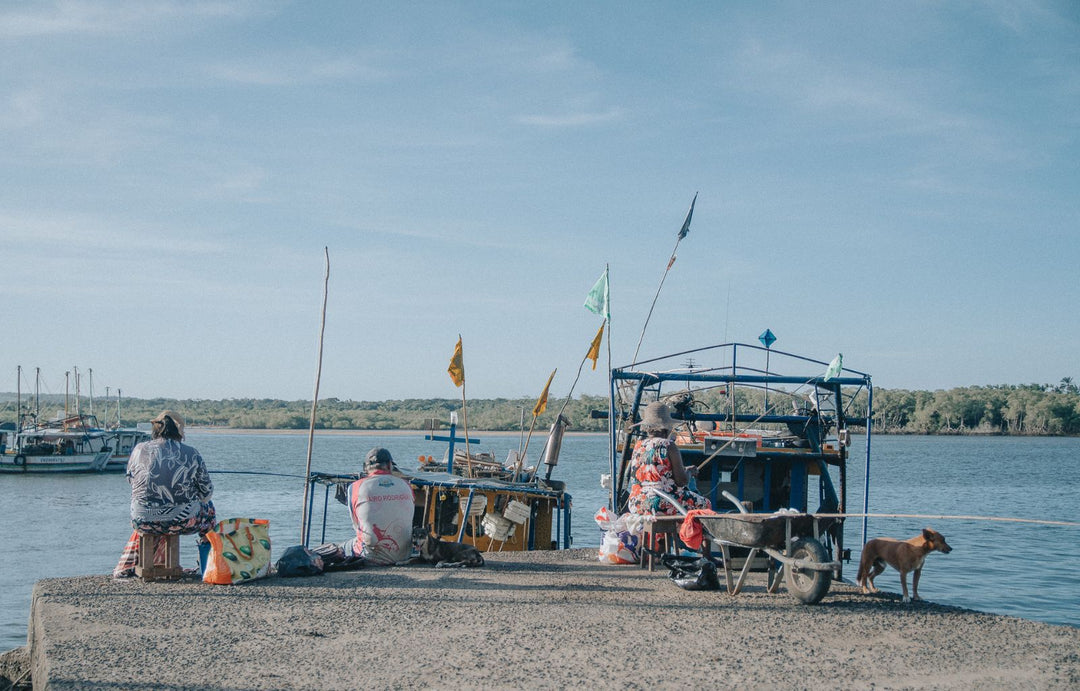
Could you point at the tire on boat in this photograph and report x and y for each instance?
(20, 459)
(807, 585)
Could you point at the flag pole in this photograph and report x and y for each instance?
(538, 409)
(611, 403)
(682, 233)
(465, 424)
(315, 402)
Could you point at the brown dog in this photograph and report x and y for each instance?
(902, 555)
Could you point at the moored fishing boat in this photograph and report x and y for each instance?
(470, 504)
(74, 445)
(69, 443)
(769, 428)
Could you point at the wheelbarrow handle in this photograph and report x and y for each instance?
(734, 500)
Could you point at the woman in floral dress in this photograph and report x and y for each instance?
(657, 464)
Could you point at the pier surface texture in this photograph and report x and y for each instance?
(525, 620)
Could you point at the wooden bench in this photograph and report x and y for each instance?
(663, 529)
(147, 567)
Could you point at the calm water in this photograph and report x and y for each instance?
(77, 525)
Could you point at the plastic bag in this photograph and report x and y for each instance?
(619, 545)
(692, 573)
(334, 558)
(299, 561)
(239, 551)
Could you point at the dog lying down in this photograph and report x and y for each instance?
(448, 554)
(902, 555)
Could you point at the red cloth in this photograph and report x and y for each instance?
(691, 532)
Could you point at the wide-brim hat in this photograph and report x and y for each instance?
(174, 416)
(656, 416)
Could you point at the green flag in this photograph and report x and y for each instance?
(686, 224)
(599, 298)
(834, 367)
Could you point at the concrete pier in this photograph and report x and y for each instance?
(535, 620)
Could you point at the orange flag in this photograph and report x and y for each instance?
(594, 349)
(457, 365)
(541, 404)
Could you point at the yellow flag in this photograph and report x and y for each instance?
(541, 403)
(594, 349)
(457, 365)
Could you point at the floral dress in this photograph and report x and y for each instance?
(651, 468)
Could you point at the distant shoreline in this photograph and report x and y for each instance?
(367, 432)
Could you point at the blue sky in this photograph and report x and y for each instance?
(895, 181)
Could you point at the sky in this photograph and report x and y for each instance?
(898, 182)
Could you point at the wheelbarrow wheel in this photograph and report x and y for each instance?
(807, 585)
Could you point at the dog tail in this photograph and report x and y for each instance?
(864, 567)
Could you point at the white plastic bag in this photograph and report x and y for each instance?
(618, 545)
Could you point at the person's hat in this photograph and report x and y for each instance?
(177, 420)
(656, 416)
(379, 456)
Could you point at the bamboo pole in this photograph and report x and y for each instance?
(315, 401)
(465, 422)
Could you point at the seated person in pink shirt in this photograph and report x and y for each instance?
(381, 506)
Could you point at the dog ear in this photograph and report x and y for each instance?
(928, 534)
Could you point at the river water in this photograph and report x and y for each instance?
(77, 525)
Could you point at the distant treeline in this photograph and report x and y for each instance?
(1030, 409)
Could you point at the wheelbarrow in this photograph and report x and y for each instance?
(791, 539)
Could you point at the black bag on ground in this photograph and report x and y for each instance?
(299, 561)
(692, 573)
(335, 559)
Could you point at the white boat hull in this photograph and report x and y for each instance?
(55, 463)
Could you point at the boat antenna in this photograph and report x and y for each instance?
(678, 238)
(315, 401)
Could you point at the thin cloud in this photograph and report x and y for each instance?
(84, 233)
(295, 70)
(566, 120)
(83, 18)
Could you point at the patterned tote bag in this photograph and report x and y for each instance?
(239, 551)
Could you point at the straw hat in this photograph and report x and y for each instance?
(656, 417)
(177, 420)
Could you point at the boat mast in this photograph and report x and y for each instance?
(18, 397)
(67, 389)
(91, 392)
(37, 394)
(78, 406)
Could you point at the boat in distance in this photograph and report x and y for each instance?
(72, 444)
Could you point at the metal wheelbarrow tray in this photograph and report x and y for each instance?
(757, 530)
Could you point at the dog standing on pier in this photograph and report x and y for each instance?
(902, 555)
